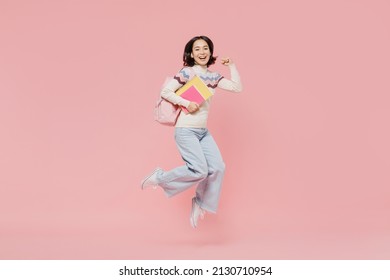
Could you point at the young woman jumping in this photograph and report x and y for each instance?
(203, 163)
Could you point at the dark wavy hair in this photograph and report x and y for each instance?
(188, 60)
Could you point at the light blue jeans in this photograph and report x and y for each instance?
(203, 166)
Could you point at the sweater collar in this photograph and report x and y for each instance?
(200, 69)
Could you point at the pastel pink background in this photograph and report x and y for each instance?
(306, 143)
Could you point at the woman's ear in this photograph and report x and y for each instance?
(192, 56)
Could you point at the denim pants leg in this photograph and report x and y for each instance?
(203, 166)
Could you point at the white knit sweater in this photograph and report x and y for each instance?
(211, 79)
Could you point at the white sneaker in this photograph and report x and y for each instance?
(196, 211)
(150, 180)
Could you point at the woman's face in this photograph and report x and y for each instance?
(200, 52)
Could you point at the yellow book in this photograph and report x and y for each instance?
(194, 90)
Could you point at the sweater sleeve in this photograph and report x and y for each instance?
(234, 84)
(168, 91)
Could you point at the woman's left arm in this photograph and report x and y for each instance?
(234, 84)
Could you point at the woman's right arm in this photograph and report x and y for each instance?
(168, 93)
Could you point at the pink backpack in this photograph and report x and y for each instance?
(165, 112)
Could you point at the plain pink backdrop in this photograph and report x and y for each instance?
(306, 143)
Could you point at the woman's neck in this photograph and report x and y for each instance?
(202, 68)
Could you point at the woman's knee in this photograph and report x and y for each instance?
(218, 167)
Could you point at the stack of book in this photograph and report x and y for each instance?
(194, 90)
